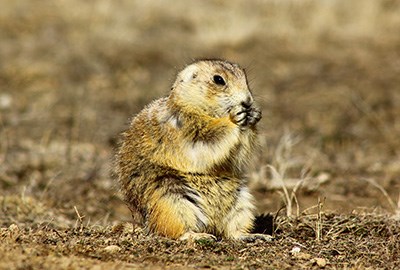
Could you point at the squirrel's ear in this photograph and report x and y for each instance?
(189, 73)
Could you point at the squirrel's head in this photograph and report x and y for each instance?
(213, 87)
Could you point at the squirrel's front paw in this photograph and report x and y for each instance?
(245, 117)
(254, 115)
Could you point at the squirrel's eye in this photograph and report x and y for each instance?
(218, 80)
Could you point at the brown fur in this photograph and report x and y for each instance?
(182, 160)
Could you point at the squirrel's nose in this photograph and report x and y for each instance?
(247, 103)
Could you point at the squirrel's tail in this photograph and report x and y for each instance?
(264, 224)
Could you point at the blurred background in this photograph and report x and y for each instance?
(72, 74)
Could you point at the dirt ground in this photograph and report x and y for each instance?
(326, 74)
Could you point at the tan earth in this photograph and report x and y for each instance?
(326, 74)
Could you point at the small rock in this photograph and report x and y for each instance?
(13, 229)
(5, 101)
(321, 262)
(112, 249)
(14, 232)
(295, 250)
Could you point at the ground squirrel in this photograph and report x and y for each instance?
(181, 162)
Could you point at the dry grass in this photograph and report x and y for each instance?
(326, 74)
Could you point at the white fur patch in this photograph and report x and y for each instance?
(188, 73)
(201, 155)
(174, 122)
(245, 200)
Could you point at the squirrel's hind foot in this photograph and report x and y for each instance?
(252, 237)
(192, 236)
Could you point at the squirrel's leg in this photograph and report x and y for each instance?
(240, 219)
(173, 215)
(239, 222)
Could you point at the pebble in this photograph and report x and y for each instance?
(112, 249)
